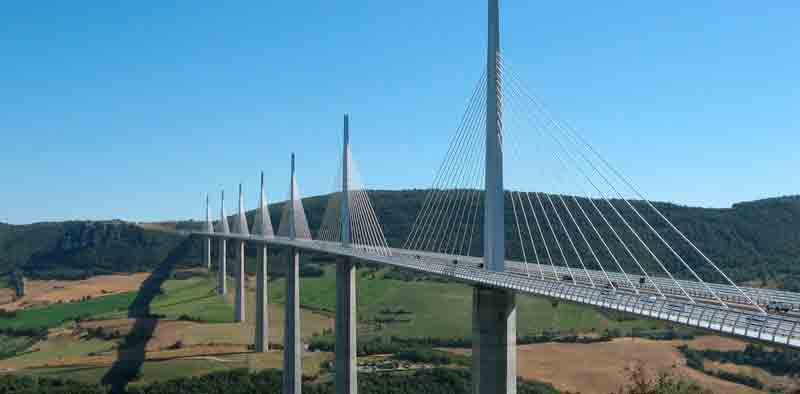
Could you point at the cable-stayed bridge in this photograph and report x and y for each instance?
(583, 233)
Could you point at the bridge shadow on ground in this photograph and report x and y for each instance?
(132, 348)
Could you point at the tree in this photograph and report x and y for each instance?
(664, 383)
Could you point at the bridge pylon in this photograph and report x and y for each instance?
(209, 228)
(346, 322)
(262, 226)
(222, 285)
(494, 340)
(292, 343)
(241, 275)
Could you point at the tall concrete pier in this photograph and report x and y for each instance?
(222, 285)
(262, 226)
(494, 341)
(346, 323)
(494, 313)
(292, 343)
(241, 275)
(207, 253)
(261, 337)
(222, 274)
(209, 228)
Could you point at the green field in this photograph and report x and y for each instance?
(152, 371)
(155, 371)
(56, 314)
(60, 348)
(84, 373)
(5, 282)
(194, 297)
(10, 346)
(441, 310)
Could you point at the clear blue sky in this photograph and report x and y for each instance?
(136, 110)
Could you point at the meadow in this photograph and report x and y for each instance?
(424, 308)
(55, 314)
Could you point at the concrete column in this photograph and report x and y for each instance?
(346, 324)
(240, 282)
(207, 252)
(209, 227)
(494, 312)
(222, 269)
(222, 285)
(292, 343)
(494, 223)
(494, 341)
(345, 200)
(262, 306)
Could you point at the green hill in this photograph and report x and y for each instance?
(756, 241)
(75, 249)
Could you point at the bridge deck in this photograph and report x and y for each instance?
(737, 319)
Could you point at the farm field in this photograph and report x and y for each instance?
(55, 314)
(11, 345)
(184, 366)
(45, 292)
(604, 367)
(208, 340)
(194, 297)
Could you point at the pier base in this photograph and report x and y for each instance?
(494, 341)
(292, 343)
(241, 277)
(346, 324)
(222, 285)
(262, 306)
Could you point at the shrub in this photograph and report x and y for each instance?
(424, 355)
(311, 271)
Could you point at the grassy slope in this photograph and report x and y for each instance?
(442, 309)
(55, 314)
(5, 282)
(194, 297)
(63, 347)
(153, 371)
(9, 346)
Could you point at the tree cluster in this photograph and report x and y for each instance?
(695, 360)
(777, 362)
(433, 381)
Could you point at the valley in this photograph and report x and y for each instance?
(189, 332)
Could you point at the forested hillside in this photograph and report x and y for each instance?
(752, 241)
(71, 250)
